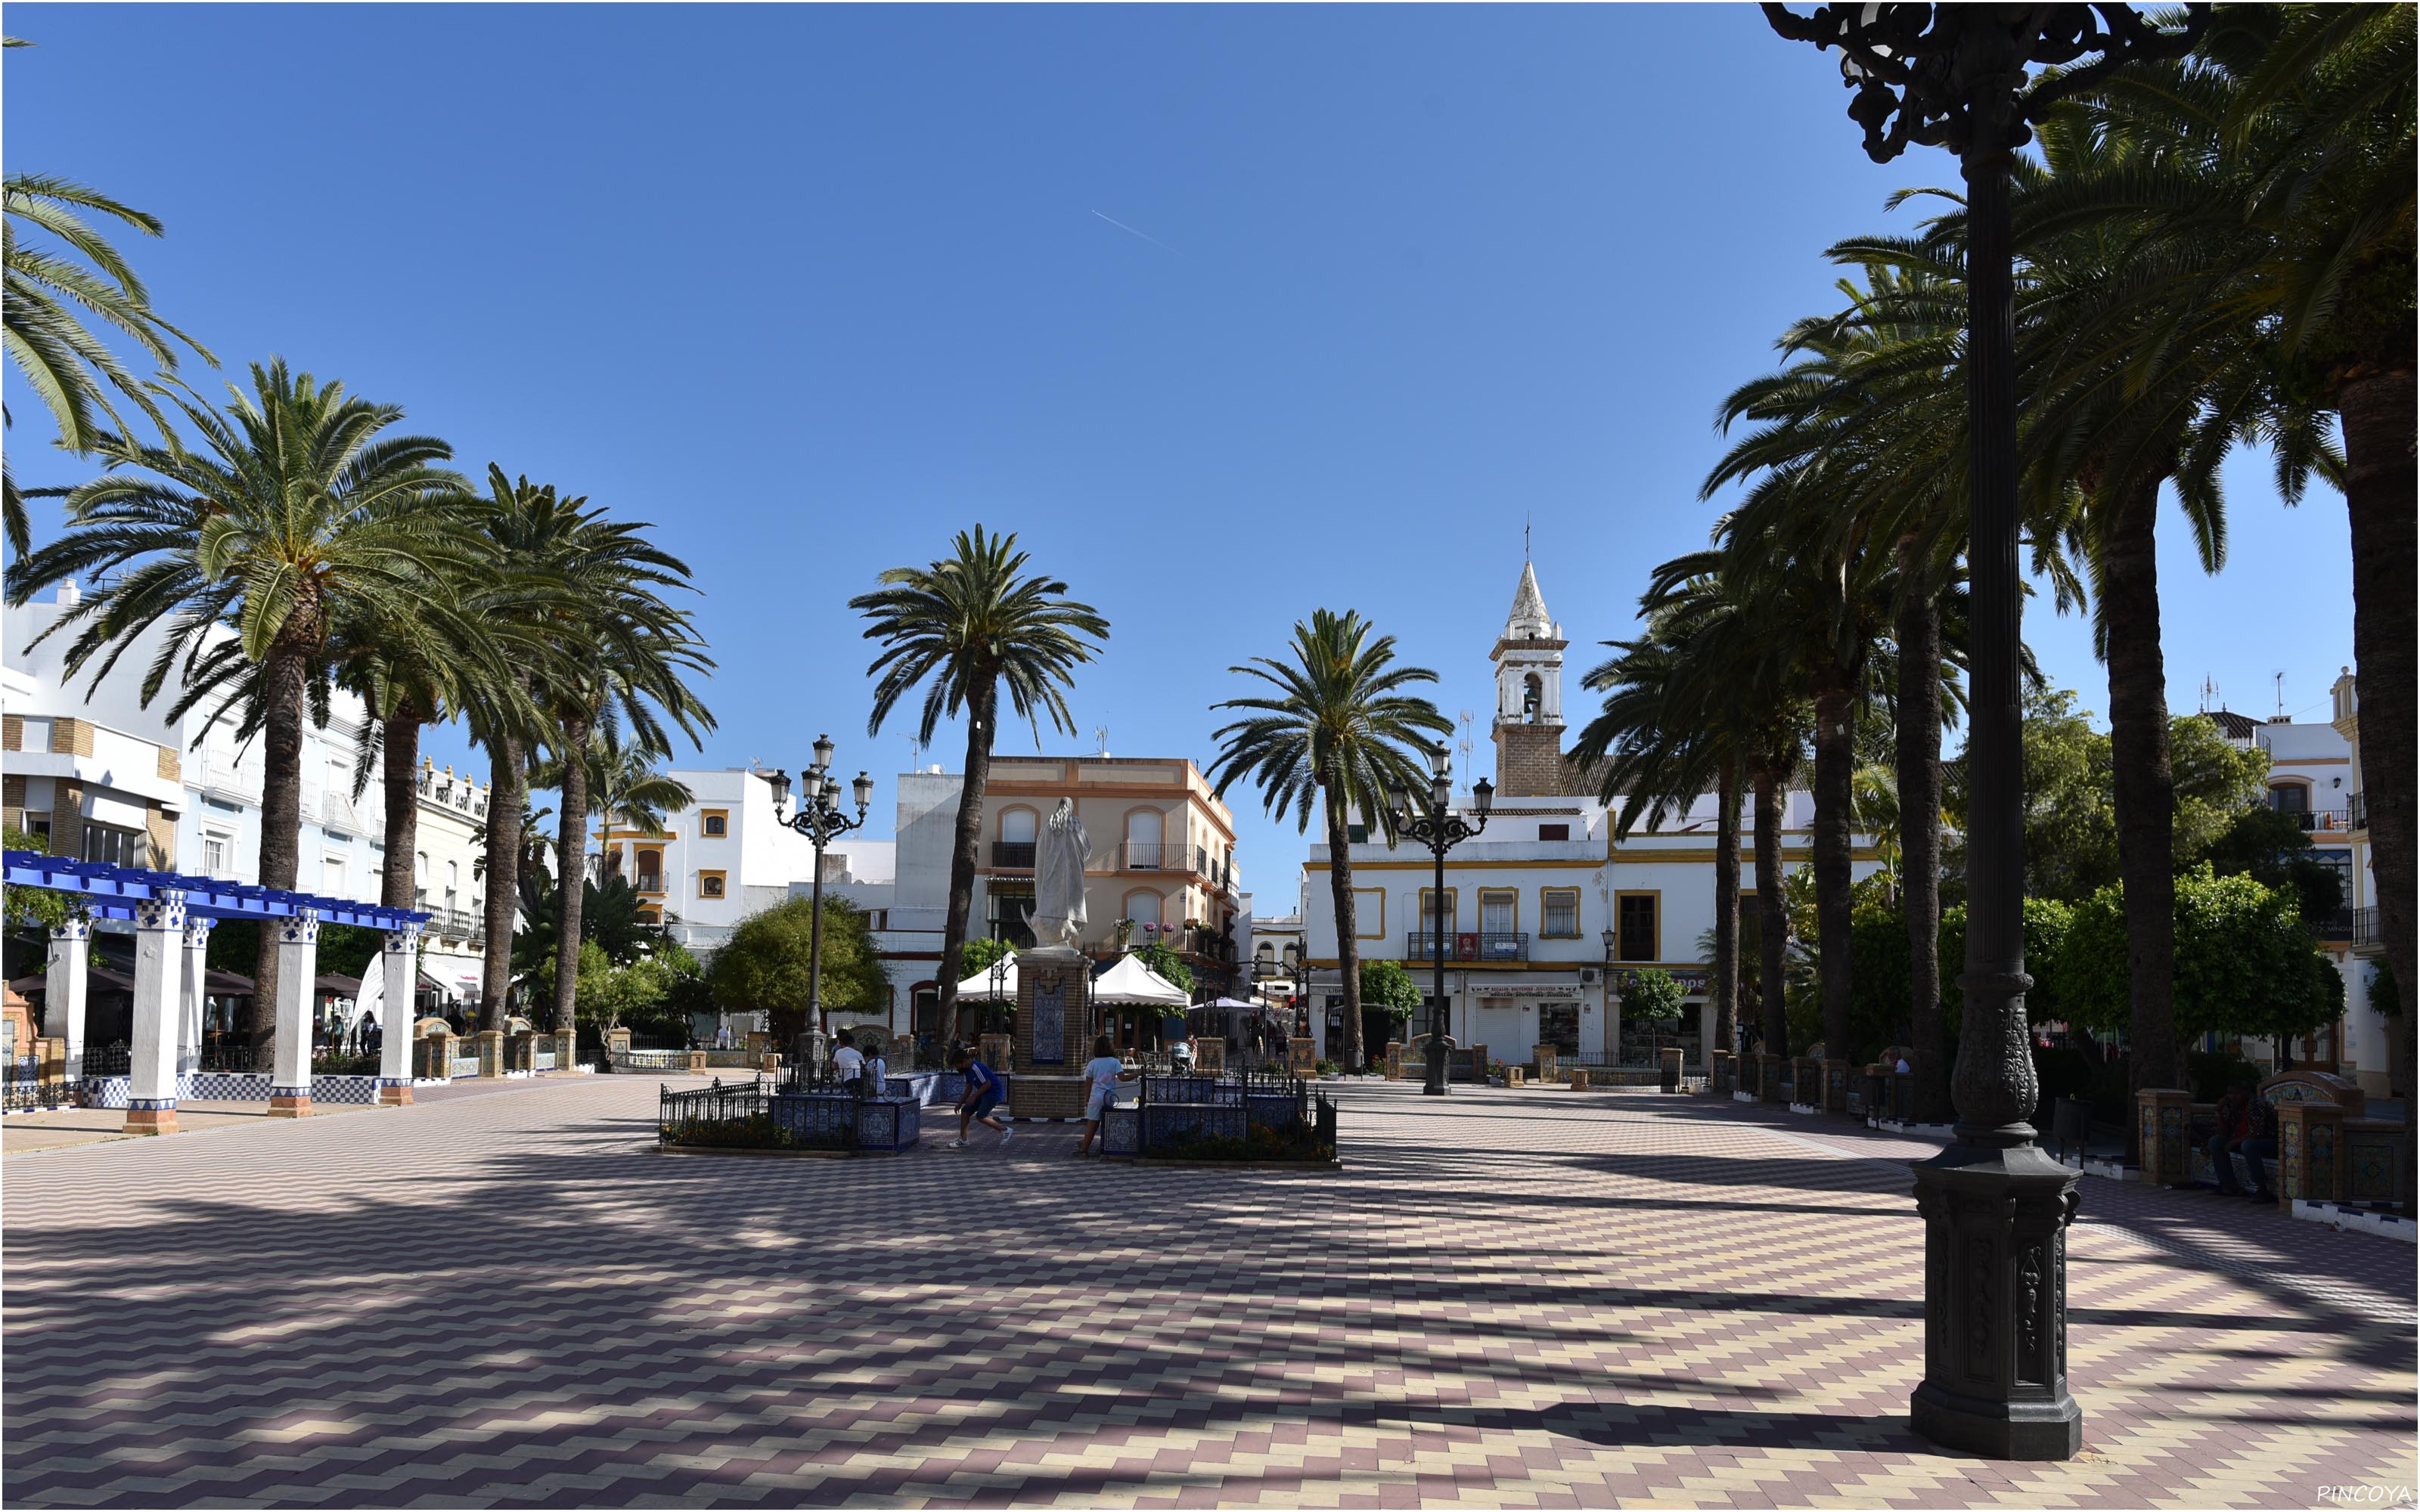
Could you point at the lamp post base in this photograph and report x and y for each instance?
(1434, 1086)
(1995, 1219)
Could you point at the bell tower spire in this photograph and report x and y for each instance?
(1528, 658)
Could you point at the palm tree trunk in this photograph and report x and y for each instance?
(1772, 914)
(571, 867)
(1834, 764)
(507, 793)
(2376, 409)
(982, 697)
(399, 776)
(1918, 749)
(1348, 929)
(1727, 903)
(281, 826)
(2143, 786)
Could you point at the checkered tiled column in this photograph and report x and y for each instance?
(151, 1070)
(194, 992)
(68, 988)
(400, 960)
(298, 971)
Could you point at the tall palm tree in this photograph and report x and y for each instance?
(73, 371)
(963, 626)
(1665, 732)
(296, 511)
(523, 527)
(619, 673)
(2262, 189)
(1338, 727)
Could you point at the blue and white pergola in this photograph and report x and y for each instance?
(173, 914)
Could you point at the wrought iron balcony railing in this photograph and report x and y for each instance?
(1147, 856)
(1482, 945)
(2364, 926)
(2357, 811)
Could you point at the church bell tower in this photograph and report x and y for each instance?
(1529, 659)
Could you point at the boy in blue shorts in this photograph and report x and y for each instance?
(983, 1094)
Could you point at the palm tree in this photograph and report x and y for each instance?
(73, 370)
(1338, 727)
(2261, 193)
(296, 513)
(621, 662)
(523, 526)
(962, 625)
(626, 788)
(1664, 733)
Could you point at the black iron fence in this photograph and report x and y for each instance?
(226, 1056)
(23, 1091)
(2365, 926)
(113, 1059)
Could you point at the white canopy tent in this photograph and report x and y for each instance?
(1132, 984)
(979, 986)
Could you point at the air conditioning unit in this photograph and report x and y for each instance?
(1588, 976)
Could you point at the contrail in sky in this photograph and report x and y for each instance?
(1132, 232)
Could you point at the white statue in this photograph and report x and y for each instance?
(1059, 879)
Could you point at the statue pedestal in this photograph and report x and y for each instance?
(1053, 1034)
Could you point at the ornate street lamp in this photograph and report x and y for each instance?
(1434, 825)
(1995, 1207)
(819, 818)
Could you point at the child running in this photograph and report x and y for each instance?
(976, 1103)
(1104, 1070)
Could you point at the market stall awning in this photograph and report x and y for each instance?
(1130, 983)
(982, 984)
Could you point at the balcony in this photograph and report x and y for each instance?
(2366, 929)
(650, 884)
(457, 924)
(2357, 811)
(2338, 820)
(1144, 855)
(1485, 945)
(1013, 855)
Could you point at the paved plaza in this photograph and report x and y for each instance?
(1518, 1298)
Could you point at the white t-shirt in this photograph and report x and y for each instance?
(848, 1062)
(1104, 1071)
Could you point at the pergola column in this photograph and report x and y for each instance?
(151, 1072)
(68, 988)
(298, 971)
(195, 988)
(400, 962)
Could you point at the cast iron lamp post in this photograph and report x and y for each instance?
(819, 818)
(1995, 1207)
(1435, 826)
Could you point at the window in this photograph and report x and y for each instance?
(1438, 917)
(1634, 916)
(710, 884)
(112, 846)
(714, 824)
(1559, 913)
(1555, 831)
(1144, 908)
(1016, 827)
(2290, 797)
(420, 868)
(1011, 909)
(1499, 911)
(651, 871)
(331, 875)
(1356, 834)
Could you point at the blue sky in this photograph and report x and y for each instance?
(813, 287)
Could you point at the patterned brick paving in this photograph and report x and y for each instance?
(1529, 1298)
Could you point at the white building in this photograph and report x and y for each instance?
(107, 778)
(1544, 913)
(2315, 773)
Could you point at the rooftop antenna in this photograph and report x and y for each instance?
(1101, 739)
(2281, 695)
(1463, 743)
